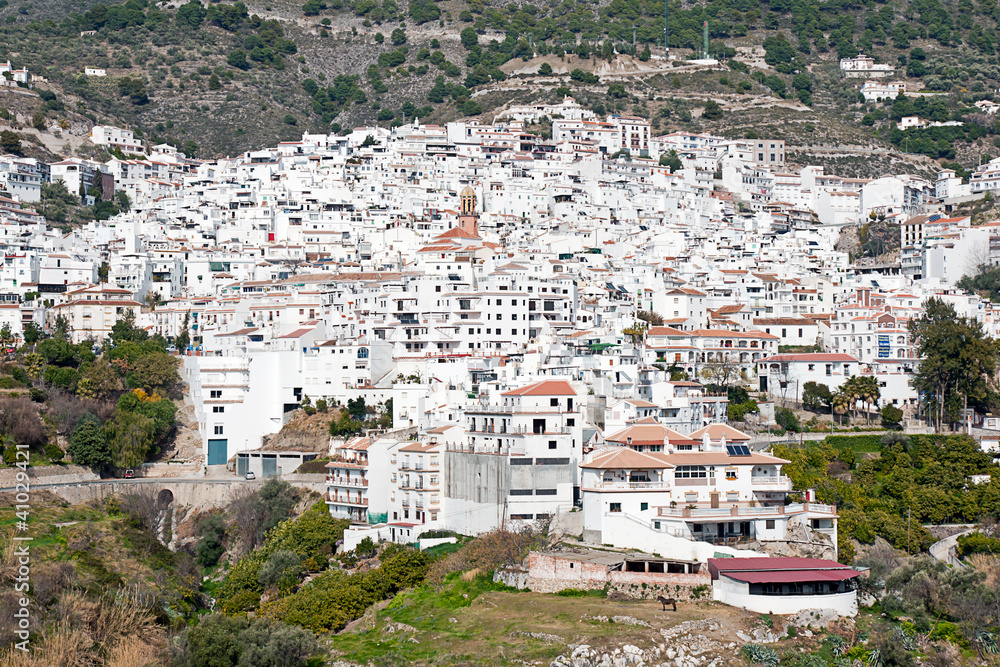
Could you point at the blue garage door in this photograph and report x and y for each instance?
(218, 452)
(270, 465)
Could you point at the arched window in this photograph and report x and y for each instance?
(362, 353)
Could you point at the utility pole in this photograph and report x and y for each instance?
(666, 29)
(705, 38)
(907, 531)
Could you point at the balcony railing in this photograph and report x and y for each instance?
(347, 500)
(518, 410)
(745, 511)
(492, 430)
(780, 480)
(346, 481)
(630, 485)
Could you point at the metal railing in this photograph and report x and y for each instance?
(347, 500)
(518, 410)
(631, 485)
(772, 480)
(346, 481)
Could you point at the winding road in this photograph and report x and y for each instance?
(944, 550)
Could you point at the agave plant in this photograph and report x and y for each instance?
(837, 645)
(874, 658)
(988, 642)
(905, 638)
(761, 655)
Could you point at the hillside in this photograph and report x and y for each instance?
(219, 79)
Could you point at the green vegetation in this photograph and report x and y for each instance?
(978, 543)
(358, 416)
(957, 358)
(926, 475)
(111, 403)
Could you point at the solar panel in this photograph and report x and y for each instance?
(738, 450)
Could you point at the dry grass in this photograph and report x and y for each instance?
(988, 565)
(8, 560)
(487, 552)
(117, 631)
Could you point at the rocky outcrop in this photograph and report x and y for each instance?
(801, 543)
(683, 645)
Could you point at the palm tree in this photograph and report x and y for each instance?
(868, 392)
(852, 389)
(841, 402)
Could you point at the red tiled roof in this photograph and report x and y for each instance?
(544, 388)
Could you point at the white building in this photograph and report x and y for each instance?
(866, 67)
(784, 585)
(116, 137)
(873, 91)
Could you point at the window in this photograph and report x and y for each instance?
(552, 444)
(215, 393)
(570, 422)
(690, 471)
(769, 524)
(615, 507)
(691, 497)
(554, 402)
(643, 507)
(218, 429)
(730, 473)
(218, 408)
(732, 496)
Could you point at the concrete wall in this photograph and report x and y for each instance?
(637, 534)
(429, 542)
(550, 574)
(475, 490)
(48, 475)
(202, 494)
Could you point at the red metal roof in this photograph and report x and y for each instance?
(792, 576)
(772, 569)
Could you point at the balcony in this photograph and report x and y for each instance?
(740, 510)
(516, 410)
(493, 430)
(341, 499)
(771, 483)
(338, 480)
(629, 486)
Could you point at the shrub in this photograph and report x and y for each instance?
(53, 452)
(787, 420)
(211, 531)
(977, 543)
(891, 416)
(221, 640)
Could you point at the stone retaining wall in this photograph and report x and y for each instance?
(55, 474)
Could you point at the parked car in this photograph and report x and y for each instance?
(129, 474)
(250, 476)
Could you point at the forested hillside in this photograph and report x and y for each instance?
(220, 78)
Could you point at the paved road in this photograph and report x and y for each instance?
(135, 480)
(944, 550)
